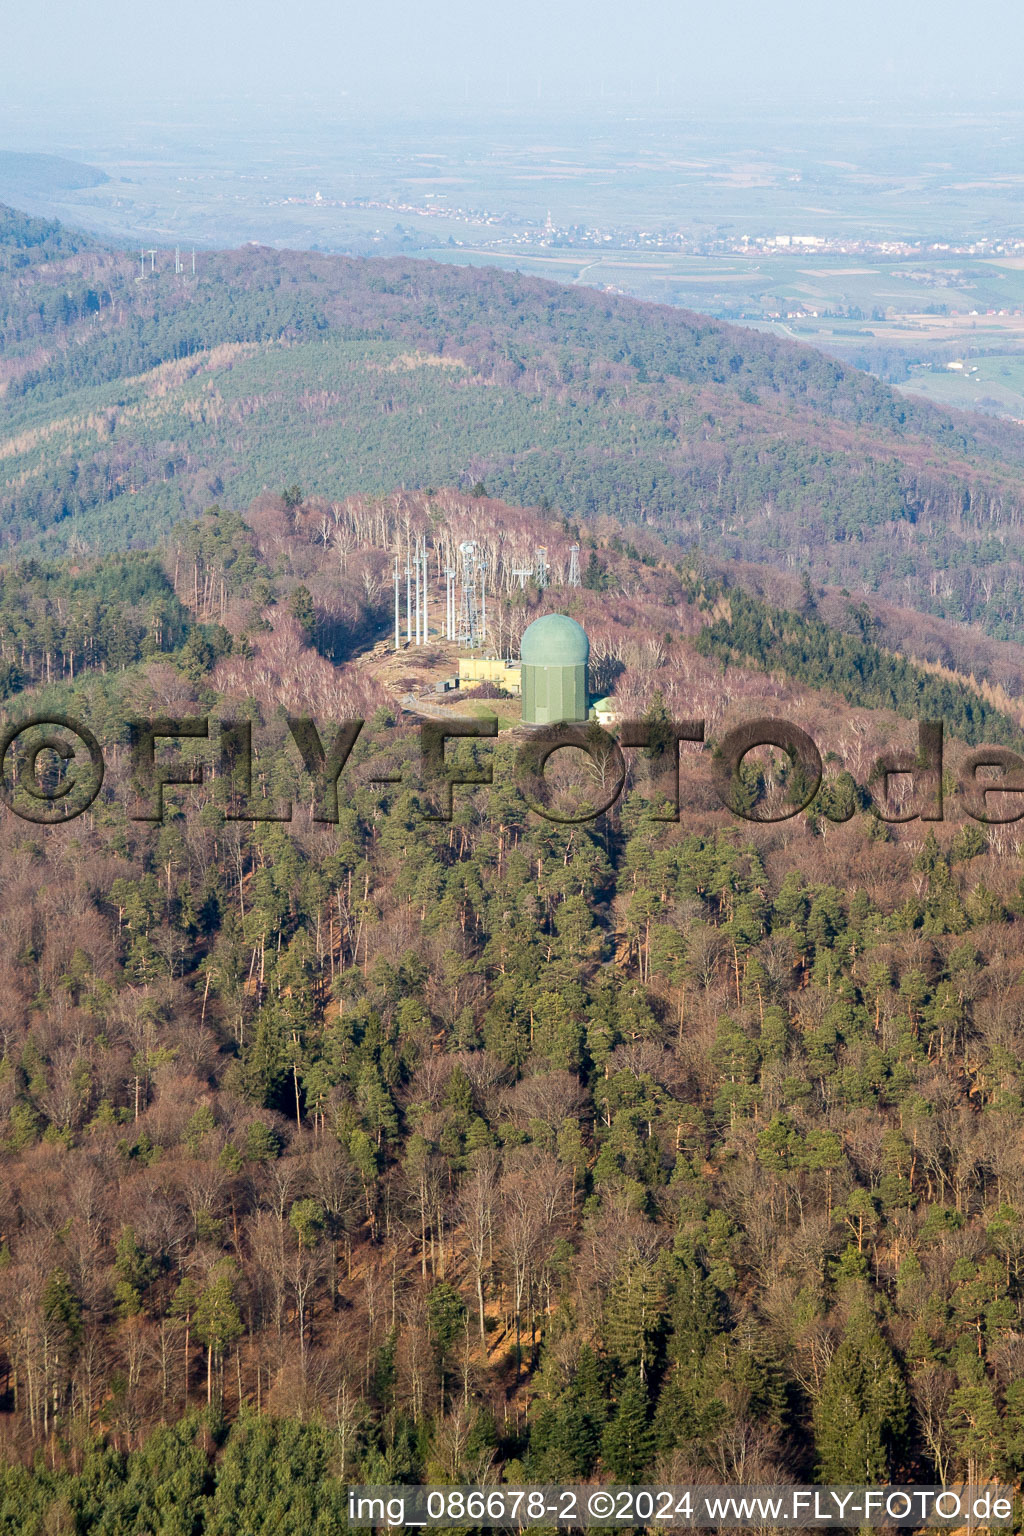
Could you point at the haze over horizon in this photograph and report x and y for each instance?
(261, 58)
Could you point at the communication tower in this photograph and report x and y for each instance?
(471, 617)
(449, 601)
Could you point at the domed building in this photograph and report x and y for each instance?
(554, 653)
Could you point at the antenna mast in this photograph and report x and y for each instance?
(449, 602)
(472, 614)
(416, 568)
(426, 575)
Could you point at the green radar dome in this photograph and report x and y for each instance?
(555, 640)
(554, 653)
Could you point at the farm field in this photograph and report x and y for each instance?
(910, 293)
(996, 384)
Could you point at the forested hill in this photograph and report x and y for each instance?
(131, 401)
(393, 1150)
(25, 240)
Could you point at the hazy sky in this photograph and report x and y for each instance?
(430, 53)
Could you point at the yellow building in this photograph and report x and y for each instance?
(605, 712)
(490, 669)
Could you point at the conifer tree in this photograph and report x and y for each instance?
(628, 1441)
(217, 1320)
(585, 1414)
(860, 1417)
(634, 1313)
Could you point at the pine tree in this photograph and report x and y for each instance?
(860, 1417)
(583, 1414)
(628, 1442)
(217, 1320)
(973, 1417)
(634, 1314)
(62, 1333)
(135, 1272)
(446, 1319)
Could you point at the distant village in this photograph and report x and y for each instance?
(534, 233)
